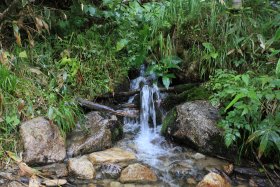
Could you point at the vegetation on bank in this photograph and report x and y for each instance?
(52, 52)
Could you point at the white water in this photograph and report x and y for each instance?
(148, 144)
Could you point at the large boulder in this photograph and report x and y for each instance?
(42, 142)
(137, 173)
(195, 125)
(95, 134)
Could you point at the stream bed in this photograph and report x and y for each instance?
(174, 165)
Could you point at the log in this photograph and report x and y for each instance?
(99, 107)
(175, 89)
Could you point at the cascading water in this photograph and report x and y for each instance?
(149, 145)
(173, 164)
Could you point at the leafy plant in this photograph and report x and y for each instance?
(250, 106)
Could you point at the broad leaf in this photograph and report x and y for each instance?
(263, 144)
(22, 54)
(121, 44)
(166, 81)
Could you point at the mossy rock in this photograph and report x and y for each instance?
(191, 93)
(117, 133)
(169, 119)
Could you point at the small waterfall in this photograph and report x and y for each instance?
(146, 141)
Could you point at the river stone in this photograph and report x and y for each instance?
(198, 156)
(42, 142)
(213, 180)
(113, 155)
(195, 124)
(81, 168)
(137, 173)
(94, 135)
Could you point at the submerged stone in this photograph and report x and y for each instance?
(42, 142)
(137, 173)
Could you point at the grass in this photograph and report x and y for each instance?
(88, 53)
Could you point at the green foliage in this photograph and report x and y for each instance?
(250, 105)
(7, 80)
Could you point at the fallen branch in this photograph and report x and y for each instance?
(175, 89)
(99, 107)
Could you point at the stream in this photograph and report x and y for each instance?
(174, 165)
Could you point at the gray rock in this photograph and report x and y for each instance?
(195, 124)
(42, 142)
(111, 171)
(94, 135)
(81, 168)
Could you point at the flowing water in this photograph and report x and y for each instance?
(173, 164)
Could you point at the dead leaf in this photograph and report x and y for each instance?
(39, 24)
(30, 38)
(24, 168)
(228, 169)
(36, 71)
(230, 52)
(46, 26)
(21, 105)
(16, 33)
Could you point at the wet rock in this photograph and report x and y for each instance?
(55, 170)
(137, 173)
(113, 155)
(15, 184)
(194, 124)
(191, 181)
(42, 142)
(115, 184)
(213, 180)
(112, 171)
(94, 135)
(7, 175)
(183, 169)
(34, 181)
(198, 156)
(81, 168)
(54, 182)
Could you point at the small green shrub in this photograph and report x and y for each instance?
(250, 106)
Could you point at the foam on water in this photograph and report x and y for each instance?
(149, 145)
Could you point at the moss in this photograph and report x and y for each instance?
(117, 133)
(191, 94)
(169, 119)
